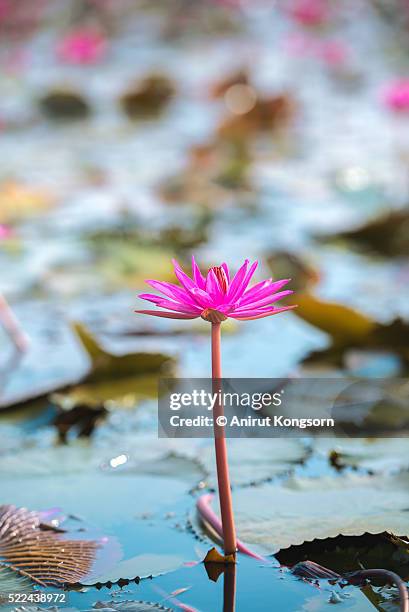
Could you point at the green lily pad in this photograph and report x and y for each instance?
(140, 566)
(254, 461)
(304, 509)
(379, 455)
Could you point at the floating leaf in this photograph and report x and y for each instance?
(64, 104)
(302, 509)
(41, 553)
(104, 364)
(267, 115)
(148, 98)
(142, 566)
(387, 235)
(349, 328)
(382, 454)
(240, 77)
(105, 606)
(125, 264)
(129, 606)
(345, 325)
(119, 379)
(253, 461)
(303, 274)
(344, 554)
(212, 172)
(123, 379)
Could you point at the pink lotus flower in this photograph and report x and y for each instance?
(216, 296)
(82, 46)
(309, 12)
(5, 232)
(334, 53)
(396, 95)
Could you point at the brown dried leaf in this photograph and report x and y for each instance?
(40, 552)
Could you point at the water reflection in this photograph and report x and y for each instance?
(229, 588)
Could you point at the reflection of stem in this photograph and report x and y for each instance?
(226, 506)
(12, 326)
(229, 588)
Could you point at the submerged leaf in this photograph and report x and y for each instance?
(41, 553)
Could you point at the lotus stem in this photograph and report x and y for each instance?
(222, 465)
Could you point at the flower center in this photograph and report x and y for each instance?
(221, 277)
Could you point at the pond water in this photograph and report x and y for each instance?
(91, 207)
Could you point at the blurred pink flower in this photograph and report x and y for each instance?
(82, 46)
(309, 12)
(216, 296)
(334, 53)
(5, 232)
(396, 95)
(5, 9)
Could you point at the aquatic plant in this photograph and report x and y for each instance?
(216, 297)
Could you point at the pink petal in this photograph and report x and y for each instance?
(265, 314)
(202, 298)
(266, 301)
(171, 304)
(166, 315)
(248, 278)
(262, 290)
(244, 283)
(213, 287)
(173, 291)
(179, 307)
(237, 281)
(227, 308)
(197, 275)
(226, 271)
(182, 277)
